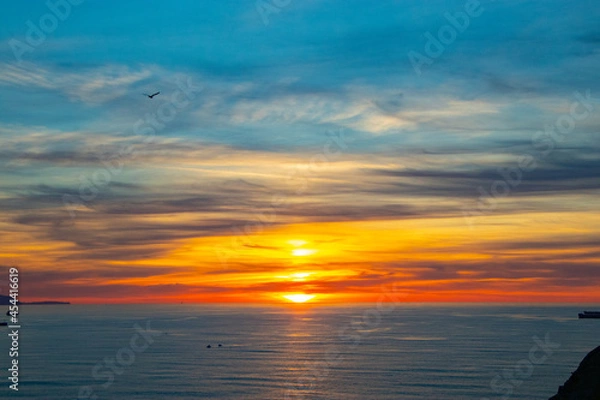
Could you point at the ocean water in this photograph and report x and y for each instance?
(407, 351)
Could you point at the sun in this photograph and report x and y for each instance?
(299, 251)
(303, 252)
(299, 297)
(297, 243)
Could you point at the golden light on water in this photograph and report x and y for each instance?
(299, 297)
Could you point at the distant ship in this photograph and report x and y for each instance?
(589, 314)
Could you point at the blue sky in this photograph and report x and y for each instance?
(512, 53)
(274, 93)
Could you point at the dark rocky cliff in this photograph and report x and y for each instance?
(584, 384)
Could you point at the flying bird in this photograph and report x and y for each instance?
(151, 95)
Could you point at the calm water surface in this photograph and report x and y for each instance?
(352, 352)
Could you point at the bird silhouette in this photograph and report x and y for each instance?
(151, 95)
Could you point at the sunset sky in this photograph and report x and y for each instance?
(322, 148)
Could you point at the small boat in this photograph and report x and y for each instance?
(589, 314)
(3, 323)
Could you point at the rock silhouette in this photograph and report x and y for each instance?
(584, 384)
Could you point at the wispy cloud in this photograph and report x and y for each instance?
(92, 86)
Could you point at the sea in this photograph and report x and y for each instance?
(368, 351)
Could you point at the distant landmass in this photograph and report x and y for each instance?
(5, 301)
